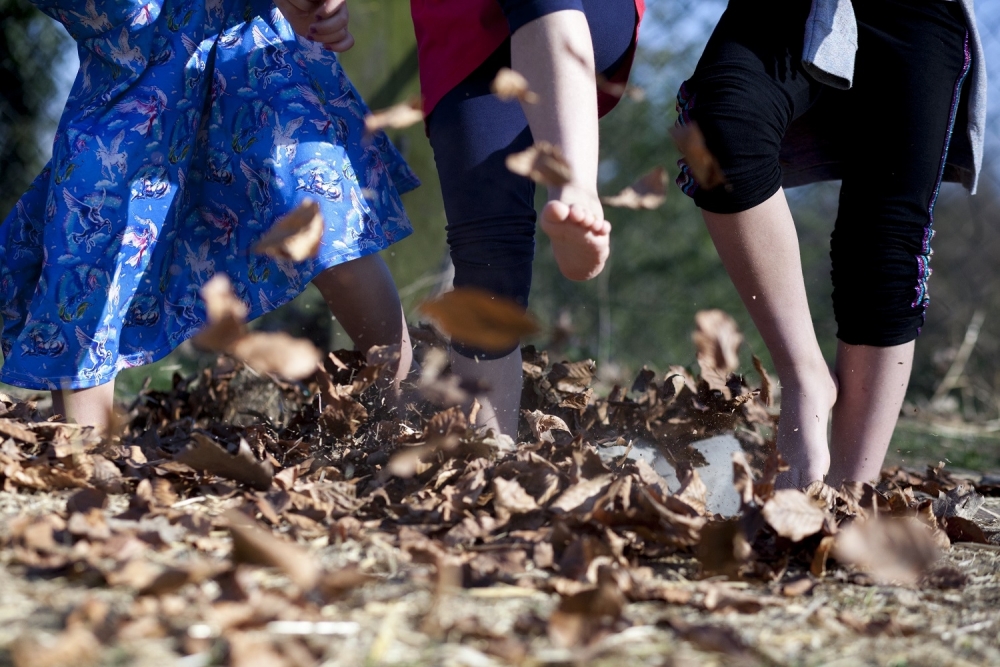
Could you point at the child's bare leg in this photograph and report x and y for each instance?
(502, 403)
(556, 55)
(760, 250)
(362, 296)
(87, 407)
(873, 383)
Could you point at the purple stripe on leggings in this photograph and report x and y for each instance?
(924, 258)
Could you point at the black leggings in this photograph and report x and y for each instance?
(892, 130)
(491, 211)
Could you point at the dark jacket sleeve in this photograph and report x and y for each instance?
(520, 12)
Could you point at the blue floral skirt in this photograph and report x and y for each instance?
(192, 126)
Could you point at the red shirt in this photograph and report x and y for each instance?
(454, 37)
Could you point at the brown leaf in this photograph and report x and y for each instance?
(510, 85)
(649, 192)
(278, 353)
(818, 566)
(572, 377)
(794, 589)
(723, 548)
(209, 456)
(580, 618)
(766, 395)
(85, 500)
(716, 638)
(615, 89)
(226, 315)
(580, 493)
(960, 529)
(12, 429)
(295, 236)
(891, 550)
(395, 117)
(718, 340)
(793, 515)
(743, 479)
(542, 425)
(478, 318)
(542, 163)
(77, 646)
(511, 496)
(704, 167)
(256, 546)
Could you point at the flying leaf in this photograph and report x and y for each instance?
(227, 315)
(793, 514)
(510, 85)
(209, 456)
(581, 617)
(691, 143)
(278, 353)
(717, 339)
(395, 117)
(542, 163)
(295, 236)
(478, 318)
(649, 192)
(766, 383)
(616, 89)
(891, 550)
(256, 546)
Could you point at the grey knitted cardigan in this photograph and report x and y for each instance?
(810, 151)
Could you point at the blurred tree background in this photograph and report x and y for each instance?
(663, 268)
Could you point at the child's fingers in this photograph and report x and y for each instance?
(340, 45)
(330, 29)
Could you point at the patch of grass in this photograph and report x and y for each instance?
(915, 444)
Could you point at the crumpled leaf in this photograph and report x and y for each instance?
(542, 163)
(649, 192)
(580, 618)
(295, 236)
(510, 85)
(478, 318)
(395, 117)
(717, 339)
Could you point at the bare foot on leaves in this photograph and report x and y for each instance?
(581, 237)
(802, 429)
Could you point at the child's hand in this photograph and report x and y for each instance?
(322, 21)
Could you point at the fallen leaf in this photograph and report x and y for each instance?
(255, 546)
(295, 236)
(77, 646)
(793, 515)
(892, 550)
(580, 618)
(395, 117)
(794, 589)
(703, 165)
(649, 192)
(542, 163)
(209, 456)
(512, 497)
(510, 85)
(478, 318)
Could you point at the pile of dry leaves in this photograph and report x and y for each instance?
(212, 503)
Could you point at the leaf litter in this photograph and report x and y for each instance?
(338, 532)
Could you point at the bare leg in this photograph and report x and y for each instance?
(501, 404)
(362, 296)
(760, 251)
(556, 55)
(873, 383)
(87, 407)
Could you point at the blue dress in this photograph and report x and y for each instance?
(191, 127)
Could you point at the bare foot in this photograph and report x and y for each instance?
(581, 239)
(802, 429)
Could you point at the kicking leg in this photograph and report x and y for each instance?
(362, 296)
(760, 251)
(87, 407)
